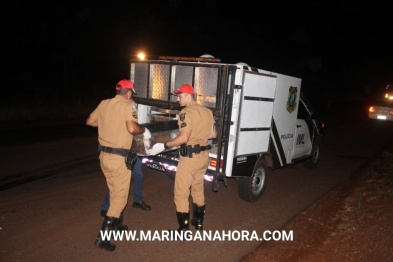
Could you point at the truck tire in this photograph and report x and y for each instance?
(250, 189)
(313, 161)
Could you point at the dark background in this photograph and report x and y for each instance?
(58, 51)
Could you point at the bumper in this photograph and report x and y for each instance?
(169, 166)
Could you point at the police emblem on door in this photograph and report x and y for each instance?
(291, 103)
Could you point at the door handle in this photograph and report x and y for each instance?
(298, 126)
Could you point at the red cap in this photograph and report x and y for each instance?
(185, 88)
(125, 84)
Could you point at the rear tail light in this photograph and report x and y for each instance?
(371, 109)
(213, 162)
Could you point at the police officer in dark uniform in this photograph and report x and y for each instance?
(116, 120)
(196, 124)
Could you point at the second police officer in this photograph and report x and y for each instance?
(196, 126)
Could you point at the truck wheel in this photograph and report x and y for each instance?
(250, 189)
(313, 161)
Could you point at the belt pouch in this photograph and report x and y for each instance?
(189, 151)
(183, 150)
(130, 159)
(197, 149)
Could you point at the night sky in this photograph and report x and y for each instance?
(340, 49)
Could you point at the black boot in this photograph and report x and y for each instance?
(183, 220)
(119, 225)
(108, 225)
(184, 226)
(198, 216)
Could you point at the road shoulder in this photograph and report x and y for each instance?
(353, 222)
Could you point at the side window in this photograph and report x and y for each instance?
(302, 112)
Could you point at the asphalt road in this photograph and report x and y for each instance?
(33, 150)
(57, 217)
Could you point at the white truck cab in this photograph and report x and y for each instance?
(263, 120)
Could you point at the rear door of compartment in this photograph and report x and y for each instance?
(256, 110)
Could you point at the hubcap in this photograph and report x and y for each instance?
(258, 181)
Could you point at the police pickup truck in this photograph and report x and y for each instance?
(263, 120)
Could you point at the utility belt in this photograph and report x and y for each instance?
(130, 156)
(188, 150)
(111, 150)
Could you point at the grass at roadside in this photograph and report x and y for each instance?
(353, 222)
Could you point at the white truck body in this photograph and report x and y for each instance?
(256, 113)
